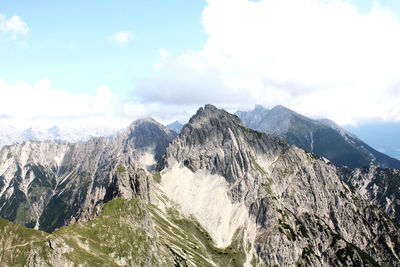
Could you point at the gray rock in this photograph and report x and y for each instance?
(379, 185)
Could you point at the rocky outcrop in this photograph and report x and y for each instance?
(379, 185)
(47, 185)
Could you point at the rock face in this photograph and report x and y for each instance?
(304, 213)
(47, 185)
(321, 137)
(379, 185)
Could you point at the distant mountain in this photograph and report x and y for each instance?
(10, 135)
(175, 126)
(321, 137)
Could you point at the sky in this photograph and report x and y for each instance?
(107, 63)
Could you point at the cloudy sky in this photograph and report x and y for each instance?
(110, 62)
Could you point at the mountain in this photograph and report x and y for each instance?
(47, 185)
(218, 194)
(176, 126)
(301, 210)
(10, 135)
(321, 137)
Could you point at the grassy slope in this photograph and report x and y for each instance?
(119, 237)
(17, 243)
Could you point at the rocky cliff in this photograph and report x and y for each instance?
(379, 185)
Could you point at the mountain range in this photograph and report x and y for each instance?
(321, 137)
(10, 135)
(217, 194)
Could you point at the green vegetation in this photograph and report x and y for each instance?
(258, 167)
(121, 169)
(121, 235)
(118, 235)
(251, 131)
(18, 243)
(268, 182)
(157, 177)
(22, 213)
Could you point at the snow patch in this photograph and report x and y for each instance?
(204, 196)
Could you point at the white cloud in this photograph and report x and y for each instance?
(24, 105)
(164, 55)
(122, 37)
(41, 106)
(13, 26)
(321, 58)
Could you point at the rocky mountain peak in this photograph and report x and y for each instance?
(281, 108)
(210, 115)
(292, 196)
(176, 126)
(146, 135)
(216, 140)
(259, 108)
